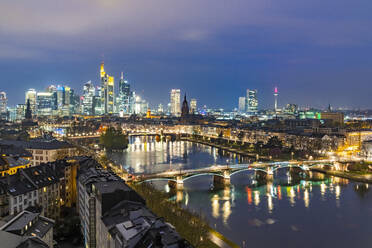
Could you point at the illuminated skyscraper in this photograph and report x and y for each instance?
(65, 101)
(107, 89)
(97, 102)
(193, 106)
(175, 102)
(45, 103)
(88, 98)
(31, 95)
(3, 102)
(251, 101)
(242, 104)
(124, 95)
(160, 109)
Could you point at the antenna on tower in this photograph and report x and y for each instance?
(276, 98)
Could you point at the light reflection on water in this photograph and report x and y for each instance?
(288, 212)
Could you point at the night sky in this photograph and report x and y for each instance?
(317, 52)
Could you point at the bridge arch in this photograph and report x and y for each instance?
(247, 169)
(157, 179)
(202, 174)
(288, 166)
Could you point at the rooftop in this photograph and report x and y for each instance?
(44, 144)
(10, 240)
(29, 224)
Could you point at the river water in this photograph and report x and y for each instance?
(288, 212)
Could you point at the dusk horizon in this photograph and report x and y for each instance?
(315, 53)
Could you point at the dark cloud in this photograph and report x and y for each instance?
(316, 51)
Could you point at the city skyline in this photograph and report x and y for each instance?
(301, 48)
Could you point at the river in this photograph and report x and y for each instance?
(328, 212)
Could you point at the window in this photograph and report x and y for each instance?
(25, 201)
(35, 193)
(15, 200)
(20, 198)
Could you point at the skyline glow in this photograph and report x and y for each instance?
(317, 52)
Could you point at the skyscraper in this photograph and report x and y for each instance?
(31, 96)
(242, 104)
(160, 109)
(88, 98)
(251, 101)
(3, 102)
(193, 106)
(97, 102)
(124, 95)
(45, 103)
(107, 88)
(175, 102)
(53, 89)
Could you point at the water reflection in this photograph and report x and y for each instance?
(253, 210)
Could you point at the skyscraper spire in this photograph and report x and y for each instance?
(122, 76)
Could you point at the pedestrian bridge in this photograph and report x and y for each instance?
(223, 173)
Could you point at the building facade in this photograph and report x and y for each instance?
(251, 101)
(124, 98)
(107, 91)
(175, 102)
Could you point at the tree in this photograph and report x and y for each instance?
(241, 135)
(274, 142)
(113, 139)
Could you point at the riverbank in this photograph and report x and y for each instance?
(348, 175)
(192, 226)
(226, 148)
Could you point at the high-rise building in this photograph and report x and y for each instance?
(45, 103)
(193, 106)
(140, 105)
(88, 98)
(175, 102)
(60, 96)
(20, 111)
(65, 100)
(31, 95)
(160, 109)
(3, 102)
(107, 89)
(53, 89)
(124, 95)
(242, 104)
(251, 101)
(97, 102)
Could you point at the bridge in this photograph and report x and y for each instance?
(222, 173)
(97, 135)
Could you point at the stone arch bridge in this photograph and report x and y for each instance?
(222, 173)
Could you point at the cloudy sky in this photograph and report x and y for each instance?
(317, 52)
